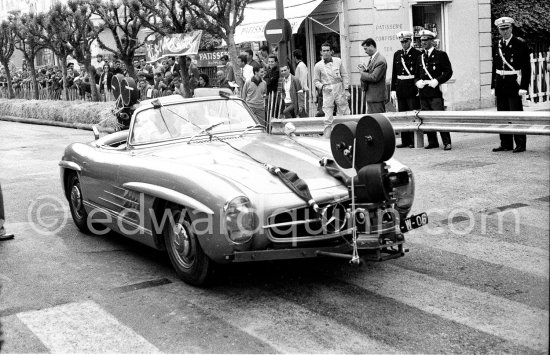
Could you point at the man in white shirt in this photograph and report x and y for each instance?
(301, 69)
(99, 61)
(246, 72)
(290, 89)
(331, 77)
(301, 72)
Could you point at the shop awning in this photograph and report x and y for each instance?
(258, 13)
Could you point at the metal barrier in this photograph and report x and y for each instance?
(512, 122)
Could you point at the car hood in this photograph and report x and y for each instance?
(243, 161)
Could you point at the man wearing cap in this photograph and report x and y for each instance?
(510, 79)
(433, 68)
(404, 93)
(373, 78)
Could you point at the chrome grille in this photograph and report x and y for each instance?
(304, 224)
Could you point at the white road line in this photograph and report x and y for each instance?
(520, 257)
(83, 328)
(290, 328)
(531, 215)
(513, 321)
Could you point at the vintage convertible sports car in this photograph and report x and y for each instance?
(203, 180)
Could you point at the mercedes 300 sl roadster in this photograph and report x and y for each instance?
(203, 180)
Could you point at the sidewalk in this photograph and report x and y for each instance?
(543, 106)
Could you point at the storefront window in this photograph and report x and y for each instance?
(326, 29)
(428, 17)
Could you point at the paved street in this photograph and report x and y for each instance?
(475, 280)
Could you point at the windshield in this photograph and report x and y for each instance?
(184, 120)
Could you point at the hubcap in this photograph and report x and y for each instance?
(182, 245)
(76, 200)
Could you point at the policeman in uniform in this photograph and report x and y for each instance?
(510, 79)
(404, 93)
(433, 68)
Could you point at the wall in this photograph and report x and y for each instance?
(467, 41)
(485, 53)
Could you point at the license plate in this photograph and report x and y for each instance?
(413, 222)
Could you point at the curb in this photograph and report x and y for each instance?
(84, 126)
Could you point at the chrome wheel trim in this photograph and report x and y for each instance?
(76, 200)
(182, 245)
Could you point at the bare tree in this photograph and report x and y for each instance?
(125, 26)
(54, 34)
(24, 26)
(82, 33)
(7, 46)
(166, 17)
(221, 18)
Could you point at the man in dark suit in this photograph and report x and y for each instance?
(373, 78)
(433, 68)
(290, 90)
(510, 79)
(3, 234)
(172, 66)
(404, 93)
(272, 74)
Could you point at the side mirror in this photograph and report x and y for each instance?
(289, 129)
(96, 132)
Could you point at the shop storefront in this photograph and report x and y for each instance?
(463, 30)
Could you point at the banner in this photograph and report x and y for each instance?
(173, 45)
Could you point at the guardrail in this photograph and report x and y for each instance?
(512, 122)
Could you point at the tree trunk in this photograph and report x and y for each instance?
(184, 72)
(232, 48)
(91, 77)
(11, 94)
(63, 61)
(36, 93)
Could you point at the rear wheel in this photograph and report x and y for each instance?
(186, 254)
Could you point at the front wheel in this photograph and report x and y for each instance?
(76, 205)
(186, 254)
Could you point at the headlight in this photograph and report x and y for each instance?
(241, 220)
(405, 195)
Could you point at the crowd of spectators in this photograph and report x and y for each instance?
(160, 78)
(154, 79)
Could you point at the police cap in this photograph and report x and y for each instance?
(504, 22)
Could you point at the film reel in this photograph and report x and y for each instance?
(125, 90)
(341, 143)
(375, 140)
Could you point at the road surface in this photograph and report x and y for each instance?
(475, 280)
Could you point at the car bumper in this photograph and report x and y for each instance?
(372, 247)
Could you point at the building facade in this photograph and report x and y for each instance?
(25, 6)
(463, 30)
